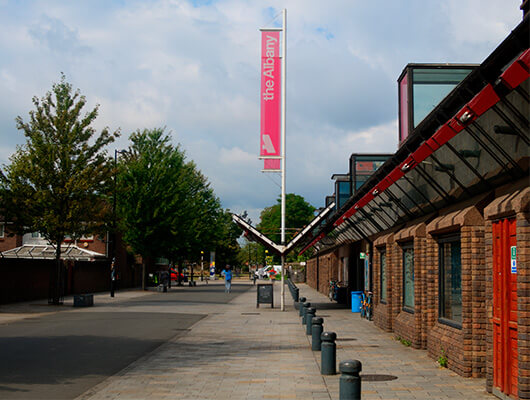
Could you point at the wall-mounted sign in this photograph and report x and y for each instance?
(513, 259)
(362, 256)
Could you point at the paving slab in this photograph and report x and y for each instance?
(242, 352)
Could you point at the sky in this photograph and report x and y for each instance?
(193, 67)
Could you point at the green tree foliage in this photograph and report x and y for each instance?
(253, 252)
(166, 207)
(227, 246)
(298, 213)
(58, 181)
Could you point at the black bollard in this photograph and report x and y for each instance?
(328, 354)
(316, 331)
(350, 381)
(306, 306)
(301, 305)
(311, 311)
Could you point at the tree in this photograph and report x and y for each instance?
(298, 213)
(148, 193)
(165, 206)
(227, 246)
(59, 180)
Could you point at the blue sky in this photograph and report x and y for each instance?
(193, 67)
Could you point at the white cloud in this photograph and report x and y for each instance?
(195, 70)
(236, 156)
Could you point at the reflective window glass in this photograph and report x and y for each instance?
(450, 269)
(408, 277)
(403, 108)
(382, 259)
(343, 193)
(430, 86)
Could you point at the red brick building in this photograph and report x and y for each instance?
(440, 232)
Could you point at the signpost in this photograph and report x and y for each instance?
(270, 94)
(265, 294)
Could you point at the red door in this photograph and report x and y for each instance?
(504, 307)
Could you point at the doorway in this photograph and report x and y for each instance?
(505, 354)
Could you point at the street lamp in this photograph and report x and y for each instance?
(113, 248)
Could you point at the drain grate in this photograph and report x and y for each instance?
(250, 313)
(378, 377)
(346, 339)
(288, 323)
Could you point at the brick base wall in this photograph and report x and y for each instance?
(311, 273)
(408, 325)
(383, 317)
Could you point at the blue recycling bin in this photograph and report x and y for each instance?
(356, 298)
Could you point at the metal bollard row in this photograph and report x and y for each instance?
(316, 331)
(301, 305)
(350, 381)
(328, 353)
(307, 305)
(311, 311)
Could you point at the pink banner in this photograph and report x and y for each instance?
(270, 97)
(271, 165)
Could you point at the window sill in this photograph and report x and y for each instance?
(448, 322)
(408, 309)
(382, 301)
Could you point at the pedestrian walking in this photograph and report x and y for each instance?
(227, 273)
(113, 277)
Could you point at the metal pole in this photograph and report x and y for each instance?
(284, 52)
(113, 249)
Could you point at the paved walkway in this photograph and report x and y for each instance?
(38, 308)
(241, 352)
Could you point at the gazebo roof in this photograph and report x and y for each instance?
(47, 252)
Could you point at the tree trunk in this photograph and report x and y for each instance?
(57, 294)
(143, 273)
(179, 279)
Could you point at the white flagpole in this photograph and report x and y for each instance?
(284, 41)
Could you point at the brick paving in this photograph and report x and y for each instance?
(241, 352)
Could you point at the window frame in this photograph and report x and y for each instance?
(382, 253)
(448, 238)
(404, 247)
(2, 230)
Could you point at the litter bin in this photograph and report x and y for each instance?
(356, 301)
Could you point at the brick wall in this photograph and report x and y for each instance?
(383, 310)
(311, 273)
(464, 347)
(10, 242)
(523, 301)
(409, 325)
(328, 267)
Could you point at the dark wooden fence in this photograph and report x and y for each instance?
(27, 279)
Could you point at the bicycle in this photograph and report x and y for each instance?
(366, 306)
